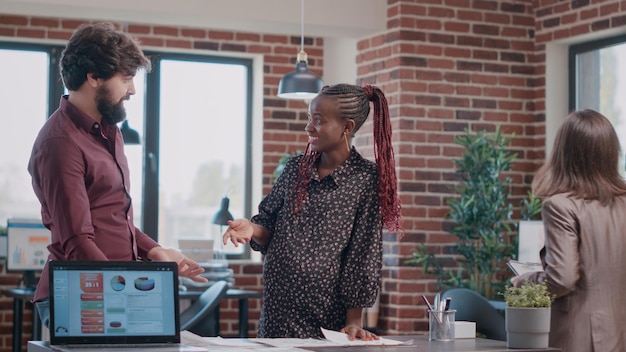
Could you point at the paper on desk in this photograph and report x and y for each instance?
(296, 342)
(341, 339)
(219, 344)
(190, 339)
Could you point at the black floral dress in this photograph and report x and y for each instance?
(327, 259)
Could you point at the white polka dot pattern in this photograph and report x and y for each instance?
(325, 260)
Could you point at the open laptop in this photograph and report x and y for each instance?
(115, 306)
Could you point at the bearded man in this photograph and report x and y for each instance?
(78, 167)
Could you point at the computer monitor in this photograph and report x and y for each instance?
(27, 252)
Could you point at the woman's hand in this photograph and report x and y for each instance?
(239, 231)
(537, 277)
(355, 331)
(186, 267)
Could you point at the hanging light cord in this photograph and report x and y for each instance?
(302, 25)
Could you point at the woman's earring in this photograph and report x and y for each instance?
(345, 135)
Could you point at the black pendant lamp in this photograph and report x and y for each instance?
(300, 84)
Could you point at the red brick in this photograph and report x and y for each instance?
(13, 20)
(163, 30)
(193, 33)
(31, 33)
(45, 22)
(138, 29)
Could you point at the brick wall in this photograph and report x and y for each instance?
(6, 309)
(445, 65)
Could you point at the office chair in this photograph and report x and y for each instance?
(471, 306)
(199, 318)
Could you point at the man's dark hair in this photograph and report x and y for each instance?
(102, 49)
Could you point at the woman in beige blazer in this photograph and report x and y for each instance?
(584, 213)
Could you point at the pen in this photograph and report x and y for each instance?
(448, 299)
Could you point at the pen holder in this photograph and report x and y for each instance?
(441, 325)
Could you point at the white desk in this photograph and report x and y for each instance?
(420, 343)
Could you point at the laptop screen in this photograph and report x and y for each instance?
(113, 302)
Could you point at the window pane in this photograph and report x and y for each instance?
(201, 147)
(25, 93)
(134, 152)
(601, 85)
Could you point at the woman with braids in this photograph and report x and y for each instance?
(320, 227)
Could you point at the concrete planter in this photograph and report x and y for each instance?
(527, 327)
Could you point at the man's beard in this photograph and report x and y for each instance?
(112, 113)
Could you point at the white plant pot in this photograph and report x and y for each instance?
(527, 327)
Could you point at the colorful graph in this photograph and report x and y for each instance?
(144, 284)
(118, 283)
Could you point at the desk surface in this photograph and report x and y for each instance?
(420, 343)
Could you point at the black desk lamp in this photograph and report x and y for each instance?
(221, 218)
(223, 215)
(129, 135)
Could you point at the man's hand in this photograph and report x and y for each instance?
(186, 267)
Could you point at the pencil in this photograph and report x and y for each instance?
(430, 309)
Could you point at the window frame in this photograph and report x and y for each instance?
(577, 49)
(149, 203)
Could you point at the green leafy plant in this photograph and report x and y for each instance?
(530, 207)
(480, 217)
(529, 295)
(281, 164)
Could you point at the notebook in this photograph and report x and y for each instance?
(115, 306)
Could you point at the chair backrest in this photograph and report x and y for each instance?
(197, 317)
(471, 306)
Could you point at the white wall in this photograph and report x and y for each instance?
(327, 18)
(340, 22)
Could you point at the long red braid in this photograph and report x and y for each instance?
(354, 104)
(390, 206)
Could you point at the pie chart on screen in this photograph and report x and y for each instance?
(118, 283)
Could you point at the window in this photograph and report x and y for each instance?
(25, 93)
(193, 115)
(598, 80)
(202, 110)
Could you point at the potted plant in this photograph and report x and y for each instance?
(481, 217)
(527, 316)
(282, 162)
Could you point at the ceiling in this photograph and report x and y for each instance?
(325, 18)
